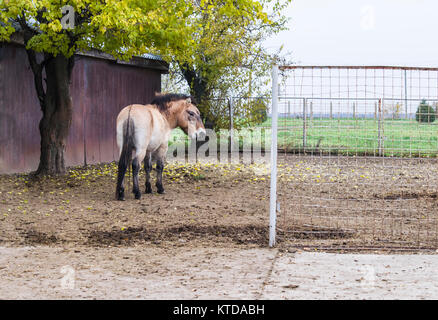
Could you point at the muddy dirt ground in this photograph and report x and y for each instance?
(203, 204)
(324, 201)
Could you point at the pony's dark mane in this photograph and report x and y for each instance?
(162, 101)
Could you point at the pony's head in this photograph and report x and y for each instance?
(189, 120)
(183, 112)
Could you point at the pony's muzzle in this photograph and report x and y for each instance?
(200, 133)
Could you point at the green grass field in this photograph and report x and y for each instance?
(399, 138)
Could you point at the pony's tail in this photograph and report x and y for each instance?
(126, 154)
(128, 143)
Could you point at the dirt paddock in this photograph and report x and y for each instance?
(339, 201)
(219, 213)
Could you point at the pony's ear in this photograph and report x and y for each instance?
(189, 100)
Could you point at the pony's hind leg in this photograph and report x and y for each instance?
(135, 171)
(148, 169)
(120, 190)
(136, 164)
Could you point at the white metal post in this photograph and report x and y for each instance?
(379, 129)
(231, 106)
(273, 191)
(304, 124)
(406, 95)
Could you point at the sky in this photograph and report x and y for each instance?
(356, 32)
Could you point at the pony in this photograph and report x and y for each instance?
(143, 132)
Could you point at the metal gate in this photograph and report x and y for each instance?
(357, 157)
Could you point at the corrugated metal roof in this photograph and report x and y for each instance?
(146, 61)
(151, 56)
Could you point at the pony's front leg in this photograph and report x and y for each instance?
(160, 168)
(161, 155)
(148, 169)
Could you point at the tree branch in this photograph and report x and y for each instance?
(37, 68)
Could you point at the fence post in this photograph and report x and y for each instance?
(406, 96)
(355, 114)
(231, 111)
(304, 123)
(311, 112)
(273, 190)
(331, 110)
(380, 129)
(375, 110)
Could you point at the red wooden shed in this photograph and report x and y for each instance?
(101, 87)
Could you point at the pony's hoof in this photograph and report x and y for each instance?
(120, 196)
(148, 190)
(138, 196)
(161, 191)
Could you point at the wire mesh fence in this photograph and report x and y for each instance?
(357, 155)
(358, 150)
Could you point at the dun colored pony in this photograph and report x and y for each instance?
(143, 132)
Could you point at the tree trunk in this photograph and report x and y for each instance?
(57, 115)
(198, 90)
